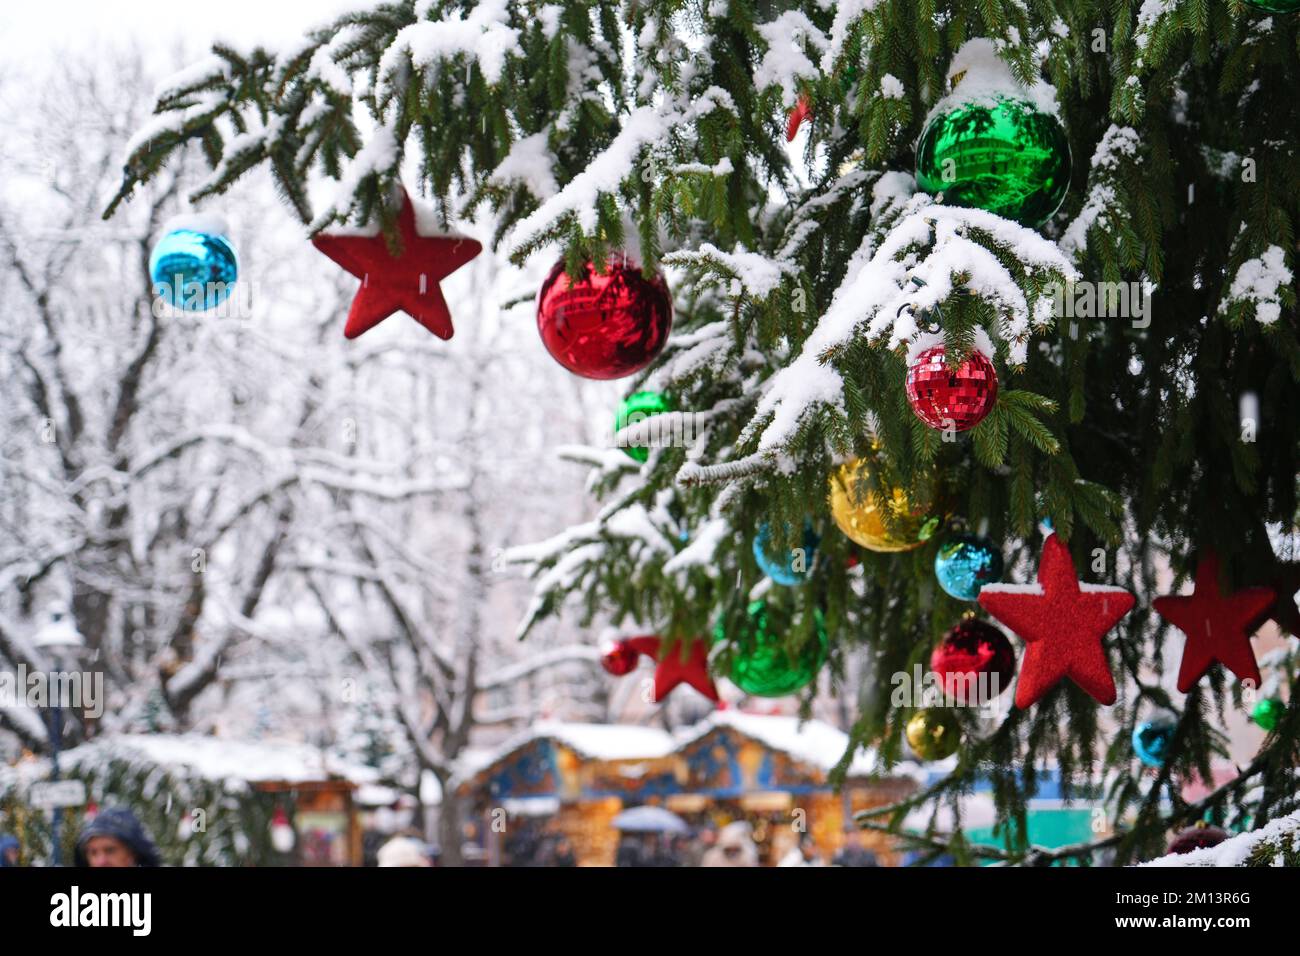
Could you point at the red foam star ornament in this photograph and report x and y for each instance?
(407, 282)
(1218, 626)
(1062, 623)
(677, 665)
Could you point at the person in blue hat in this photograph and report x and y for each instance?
(9, 848)
(115, 838)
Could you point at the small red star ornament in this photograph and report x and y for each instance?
(1218, 626)
(407, 282)
(801, 111)
(678, 665)
(1062, 622)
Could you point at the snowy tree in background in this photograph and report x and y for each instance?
(125, 481)
(804, 288)
(260, 530)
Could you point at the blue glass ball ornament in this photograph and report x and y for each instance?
(1151, 740)
(965, 563)
(193, 270)
(790, 567)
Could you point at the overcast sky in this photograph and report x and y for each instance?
(36, 30)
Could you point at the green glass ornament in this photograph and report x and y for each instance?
(761, 667)
(1267, 713)
(1003, 155)
(1275, 6)
(637, 407)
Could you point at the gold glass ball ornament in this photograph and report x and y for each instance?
(933, 733)
(857, 513)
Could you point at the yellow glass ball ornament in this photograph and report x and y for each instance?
(933, 733)
(865, 523)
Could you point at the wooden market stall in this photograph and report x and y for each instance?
(774, 771)
(566, 778)
(209, 800)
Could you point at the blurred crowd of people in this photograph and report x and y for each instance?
(732, 845)
(535, 844)
(116, 838)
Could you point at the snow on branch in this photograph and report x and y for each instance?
(1118, 145)
(756, 274)
(785, 62)
(700, 552)
(644, 128)
(1260, 282)
(701, 351)
(26, 723)
(485, 37)
(1258, 847)
(942, 248)
(847, 14)
(560, 564)
(379, 157)
(204, 72)
(804, 224)
(530, 164)
(205, 107)
(198, 671)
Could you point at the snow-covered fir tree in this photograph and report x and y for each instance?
(804, 284)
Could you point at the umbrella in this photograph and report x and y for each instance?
(650, 820)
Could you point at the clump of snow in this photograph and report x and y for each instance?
(209, 223)
(529, 163)
(978, 75)
(549, 17)
(722, 167)
(326, 70)
(1151, 11)
(484, 36)
(1259, 280)
(925, 341)
(785, 62)
(603, 174)
(891, 87)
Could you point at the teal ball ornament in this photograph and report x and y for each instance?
(193, 269)
(965, 563)
(789, 567)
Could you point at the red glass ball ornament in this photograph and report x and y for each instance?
(1197, 838)
(971, 649)
(607, 324)
(619, 658)
(945, 397)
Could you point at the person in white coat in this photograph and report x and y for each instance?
(735, 847)
(803, 853)
(403, 851)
